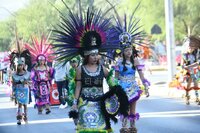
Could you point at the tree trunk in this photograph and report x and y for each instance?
(186, 26)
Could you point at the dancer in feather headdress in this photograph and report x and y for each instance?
(41, 74)
(20, 81)
(86, 35)
(190, 63)
(129, 33)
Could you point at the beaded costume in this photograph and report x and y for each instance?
(128, 82)
(41, 78)
(191, 72)
(20, 61)
(92, 88)
(41, 85)
(21, 90)
(127, 33)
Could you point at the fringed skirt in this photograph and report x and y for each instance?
(133, 91)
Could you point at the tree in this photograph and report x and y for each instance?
(5, 35)
(36, 19)
(150, 12)
(39, 17)
(187, 17)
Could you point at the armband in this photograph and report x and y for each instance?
(140, 67)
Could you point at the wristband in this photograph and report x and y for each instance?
(146, 82)
(140, 67)
(75, 101)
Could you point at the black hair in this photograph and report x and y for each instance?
(134, 55)
(194, 53)
(17, 71)
(85, 60)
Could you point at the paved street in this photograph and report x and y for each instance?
(159, 114)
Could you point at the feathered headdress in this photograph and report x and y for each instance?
(20, 56)
(80, 34)
(127, 32)
(192, 41)
(40, 49)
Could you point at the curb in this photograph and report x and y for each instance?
(158, 68)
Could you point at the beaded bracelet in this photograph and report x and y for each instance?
(145, 81)
(75, 101)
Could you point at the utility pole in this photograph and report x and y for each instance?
(170, 43)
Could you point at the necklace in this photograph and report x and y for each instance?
(128, 62)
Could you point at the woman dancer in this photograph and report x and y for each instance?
(41, 74)
(21, 85)
(128, 33)
(88, 40)
(190, 61)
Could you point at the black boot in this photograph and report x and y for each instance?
(108, 125)
(187, 99)
(48, 111)
(19, 119)
(124, 130)
(132, 128)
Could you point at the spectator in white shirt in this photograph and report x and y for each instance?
(61, 73)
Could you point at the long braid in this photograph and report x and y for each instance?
(134, 55)
(132, 61)
(124, 62)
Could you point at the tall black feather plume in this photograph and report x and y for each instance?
(73, 35)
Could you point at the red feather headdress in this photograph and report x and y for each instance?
(40, 48)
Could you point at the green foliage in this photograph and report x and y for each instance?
(36, 19)
(150, 12)
(71, 86)
(39, 17)
(187, 17)
(5, 35)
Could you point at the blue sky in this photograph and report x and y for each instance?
(7, 7)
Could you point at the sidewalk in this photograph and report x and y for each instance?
(158, 68)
